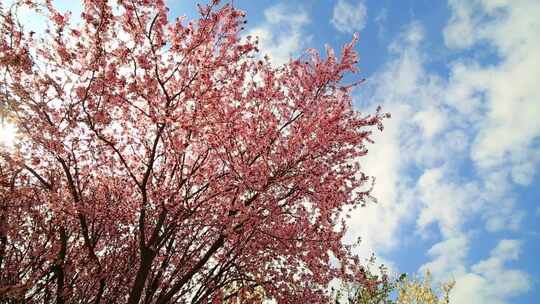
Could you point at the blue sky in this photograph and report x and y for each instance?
(456, 166)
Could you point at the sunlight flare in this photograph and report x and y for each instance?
(7, 134)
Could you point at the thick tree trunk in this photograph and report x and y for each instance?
(147, 256)
(176, 288)
(59, 267)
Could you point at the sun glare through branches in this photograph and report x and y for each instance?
(7, 134)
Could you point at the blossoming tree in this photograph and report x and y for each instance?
(162, 161)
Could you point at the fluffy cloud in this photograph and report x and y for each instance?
(393, 189)
(348, 17)
(448, 257)
(442, 125)
(380, 22)
(446, 203)
(378, 224)
(281, 35)
(489, 280)
(506, 92)
(431, 121)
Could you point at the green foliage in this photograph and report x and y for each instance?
(376, 288)
(379, 288)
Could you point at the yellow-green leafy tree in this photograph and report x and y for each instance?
(422, 291)
(381, 289)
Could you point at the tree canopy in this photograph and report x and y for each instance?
(165, 161)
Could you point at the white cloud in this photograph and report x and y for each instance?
(432, 121)
(503, 216)
(394, 191)
(437, 126)
(448, 257)
(507, 91)
(348, 17)
(277, 15)
(281, 35)
(380, 21)
(446, 203)
(460, 34)
(490, 280)
(412, 95)
(523, 172)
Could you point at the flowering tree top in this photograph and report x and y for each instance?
(162, 161)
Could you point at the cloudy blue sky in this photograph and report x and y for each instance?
(456, 165)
